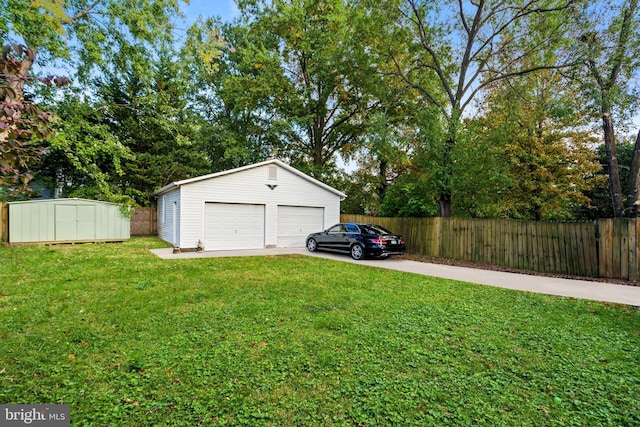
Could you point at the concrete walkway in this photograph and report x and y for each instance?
(606, 292)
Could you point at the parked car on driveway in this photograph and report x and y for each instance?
(358, 240)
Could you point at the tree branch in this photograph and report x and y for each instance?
(83, 12)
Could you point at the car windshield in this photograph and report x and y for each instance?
(376, 229)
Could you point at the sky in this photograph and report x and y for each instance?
(225, 9)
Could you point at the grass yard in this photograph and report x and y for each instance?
(125, 338)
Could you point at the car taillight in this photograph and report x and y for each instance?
(402, 240)
(377, 241)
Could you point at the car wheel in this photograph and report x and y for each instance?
(312, 245)
(357, 252)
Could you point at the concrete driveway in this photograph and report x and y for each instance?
(606, 292)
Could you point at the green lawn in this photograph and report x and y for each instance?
(125, 338)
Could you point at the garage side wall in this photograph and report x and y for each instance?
(257, 186)
(169, 217)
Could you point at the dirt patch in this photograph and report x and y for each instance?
(483, 266)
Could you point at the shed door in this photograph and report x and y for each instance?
(86, 222)
(75, 222)
(229, 226)
(295, 223)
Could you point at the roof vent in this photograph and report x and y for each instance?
(273, 172)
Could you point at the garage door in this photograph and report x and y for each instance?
(233, 226)
(296, 222)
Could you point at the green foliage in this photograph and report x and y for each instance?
(150, 116)
(84, 155)
(89, 32)
(237, 127)
(126, 338)
(528, 156)
(409, 197)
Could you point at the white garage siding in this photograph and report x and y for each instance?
(169, 217)
(271, 184)
(295, 223)
(230, 226)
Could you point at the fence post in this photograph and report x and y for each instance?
(4, 222)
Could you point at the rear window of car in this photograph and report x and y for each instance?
(352, 228)
(375, 229)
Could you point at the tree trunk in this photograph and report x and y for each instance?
(382, 185)
(446, 171)
(16, 76)
(445, 204)
(612, 159)
(632, 185)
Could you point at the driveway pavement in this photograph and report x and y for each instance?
(606, 292)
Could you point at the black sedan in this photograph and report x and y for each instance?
(359, 240)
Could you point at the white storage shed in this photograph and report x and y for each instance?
(66, 220)
(264, 205)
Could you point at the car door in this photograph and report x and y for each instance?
(353, 235)
(334, 238)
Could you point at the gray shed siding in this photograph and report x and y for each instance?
(66, 220)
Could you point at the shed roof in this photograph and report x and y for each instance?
(63, 200)
(280, 163)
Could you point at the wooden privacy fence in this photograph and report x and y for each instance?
(605, 248)
(144, 222)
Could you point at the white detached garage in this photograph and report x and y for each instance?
(264, 205)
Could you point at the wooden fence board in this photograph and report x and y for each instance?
(615, 247)
(591, 253)
(633, 244)
(606, 257)
(521, 244)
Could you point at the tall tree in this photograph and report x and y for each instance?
(536, 156)
(462, 46)
(610, 35)
(24, 127)
(294, 66)
(151, 118)
(239, 126)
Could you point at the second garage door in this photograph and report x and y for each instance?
(296, 222)
(230, 226)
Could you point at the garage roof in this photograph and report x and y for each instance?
(283, 165)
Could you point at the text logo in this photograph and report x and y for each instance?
(34, 415)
